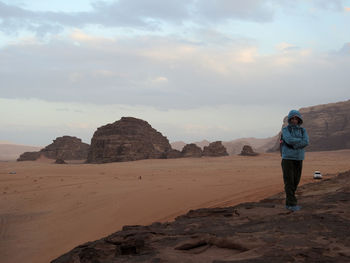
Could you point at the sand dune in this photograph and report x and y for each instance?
(10, 151)
(47, 209)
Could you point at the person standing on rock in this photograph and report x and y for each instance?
(294, 139)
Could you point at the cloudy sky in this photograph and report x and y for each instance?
(194, 69)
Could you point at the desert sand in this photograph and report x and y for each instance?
(47, 209)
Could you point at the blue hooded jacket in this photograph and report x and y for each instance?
(295, 139)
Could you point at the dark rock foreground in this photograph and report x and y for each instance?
(250, 232)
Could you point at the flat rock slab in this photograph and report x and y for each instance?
(250, 232)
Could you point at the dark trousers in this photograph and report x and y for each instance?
(291, 177)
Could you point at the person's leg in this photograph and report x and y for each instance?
(288, 178)
(298, 167)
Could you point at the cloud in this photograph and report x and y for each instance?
(285, 47)
(122, 13)
(148, 15)
(168, 73)
(252, 10)
(345, 50)
(334, 5)
(159, 80)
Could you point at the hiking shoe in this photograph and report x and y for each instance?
(288, 207)
(296, 208)
(293, 208)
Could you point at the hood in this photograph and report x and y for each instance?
(293, 113)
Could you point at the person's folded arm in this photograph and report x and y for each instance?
(304, 141)
(289, 139)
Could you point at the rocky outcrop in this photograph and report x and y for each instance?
(235, 146)
(66, 148)
(247, 150)
(173, 154)
(191, 150)
(215, 149)
(328, 126)
(29, 156)
(60, 161)
(250, 232)
(179, 145)
(202, 143)
(128, 139)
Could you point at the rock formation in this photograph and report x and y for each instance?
(191, 150)
(235, 146)
(29, 156)
(215, 149)
(202, 143)
(179, 145)
(173, 154)
(60, 161)
(328, 126)
(128, 139)
(250, 232)
(247, 150)
(66, 148)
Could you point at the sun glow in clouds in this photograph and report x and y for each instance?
(195, 64)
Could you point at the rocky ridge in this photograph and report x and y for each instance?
(328, 126)
(257, 232)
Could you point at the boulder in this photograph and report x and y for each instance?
(65, 147)
(247, 150)
(191, 150)
(128, 139)
(215, 149)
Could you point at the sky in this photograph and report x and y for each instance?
(194, 69)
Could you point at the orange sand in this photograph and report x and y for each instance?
(47, 209)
